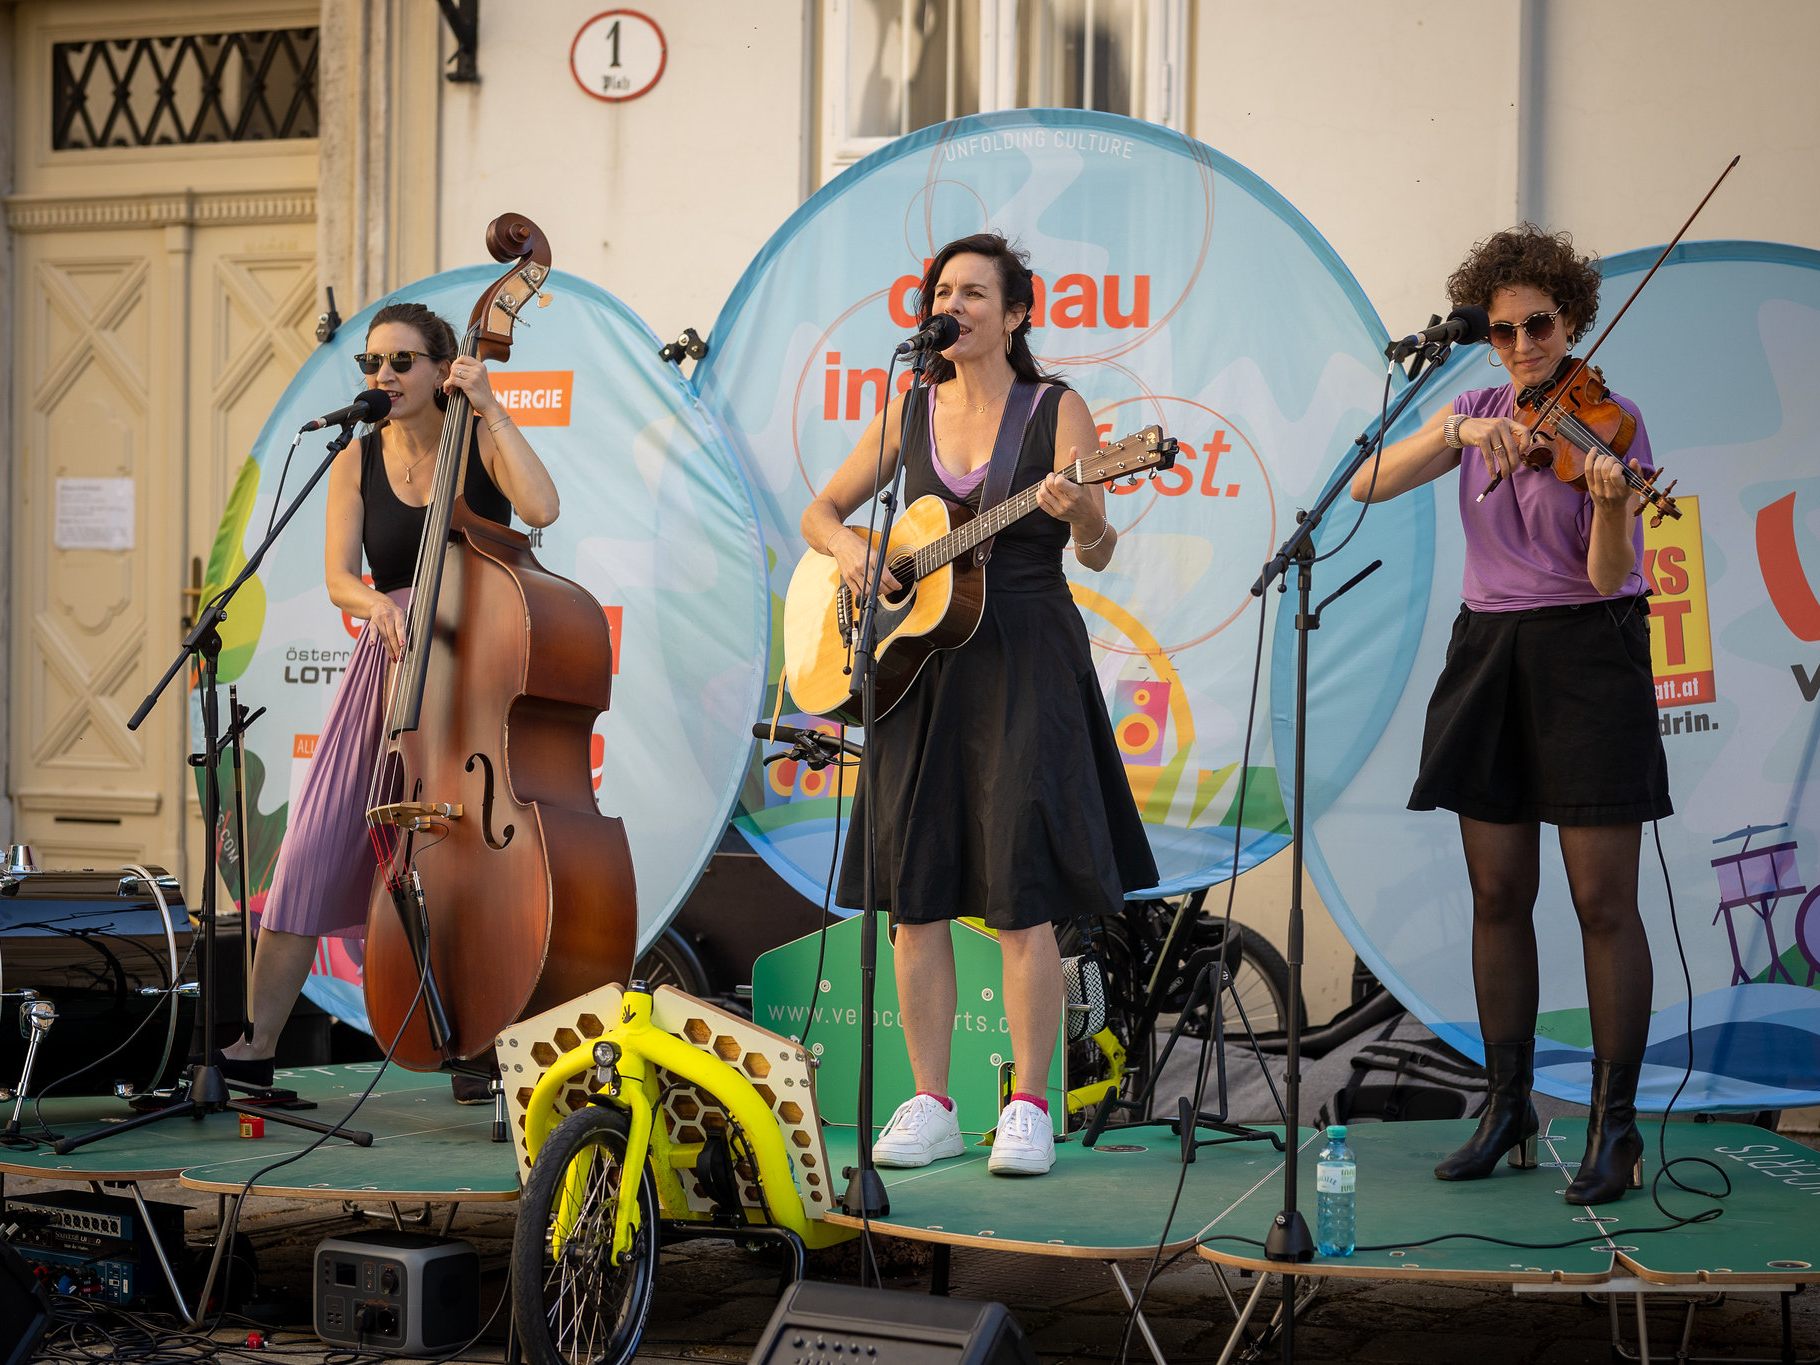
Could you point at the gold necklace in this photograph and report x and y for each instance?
(414, 463)
(981, 407)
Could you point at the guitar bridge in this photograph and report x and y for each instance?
(414, 815)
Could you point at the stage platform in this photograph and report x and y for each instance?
(426, 1148)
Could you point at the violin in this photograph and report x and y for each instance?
(1575, 411)
(1573, 417)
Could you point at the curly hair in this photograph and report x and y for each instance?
(1015, 282)
(1526, 255)
(438, 336)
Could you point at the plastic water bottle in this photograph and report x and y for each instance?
(1335, 1176)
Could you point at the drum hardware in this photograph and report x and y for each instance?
(36, 1015)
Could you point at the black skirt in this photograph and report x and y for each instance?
(1546, 715)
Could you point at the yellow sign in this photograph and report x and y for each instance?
(1680, 636)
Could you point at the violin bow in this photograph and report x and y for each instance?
(1565, 383)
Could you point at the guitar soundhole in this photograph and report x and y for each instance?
(904, 571)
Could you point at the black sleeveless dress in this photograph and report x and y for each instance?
(1000, 789)
(391, 530)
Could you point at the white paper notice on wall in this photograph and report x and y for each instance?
(95, 514)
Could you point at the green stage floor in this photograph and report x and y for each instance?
(1113, 1202)
(425, 1146)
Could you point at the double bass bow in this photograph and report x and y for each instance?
(503, 890)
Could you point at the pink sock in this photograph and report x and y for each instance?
(1037, 1100)
(942, 1100)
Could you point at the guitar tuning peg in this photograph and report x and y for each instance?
(543, 300)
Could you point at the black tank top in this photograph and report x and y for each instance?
(391, 530)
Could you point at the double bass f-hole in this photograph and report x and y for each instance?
(486, 802)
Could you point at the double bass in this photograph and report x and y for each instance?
(503, 890)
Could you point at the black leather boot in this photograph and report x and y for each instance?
(1509, 1123)
(1614, 1148)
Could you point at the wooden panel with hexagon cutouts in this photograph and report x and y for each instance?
(780, 1071)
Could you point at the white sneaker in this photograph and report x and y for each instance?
(1024, 1144)
(922, 1130)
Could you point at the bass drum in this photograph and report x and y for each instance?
(99, 947)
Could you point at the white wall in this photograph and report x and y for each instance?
(1405, 133)
(661, 200)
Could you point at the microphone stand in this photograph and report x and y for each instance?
(1288, 1239)
(205, 1089)
(865, 1195)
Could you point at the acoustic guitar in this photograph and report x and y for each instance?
(943, 593)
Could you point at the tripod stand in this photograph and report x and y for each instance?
(205, 1091)
(1209, 969)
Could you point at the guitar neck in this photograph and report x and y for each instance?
(988, 524)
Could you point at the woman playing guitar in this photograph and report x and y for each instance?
(999, 785)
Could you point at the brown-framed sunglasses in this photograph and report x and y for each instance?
(400, 361)
(1540, 326)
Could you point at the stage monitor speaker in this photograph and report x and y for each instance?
(24, 1308)
(838, 1324)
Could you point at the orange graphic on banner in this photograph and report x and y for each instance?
(303, 746)
(615, 623)
(535, 398)
(1680, 635)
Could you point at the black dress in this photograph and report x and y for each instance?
(1000, 788)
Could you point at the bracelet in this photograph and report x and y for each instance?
(1450, 431)
(505, 420)
(1080, 545)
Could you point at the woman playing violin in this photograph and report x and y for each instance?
(379, 491)
(1545, 711)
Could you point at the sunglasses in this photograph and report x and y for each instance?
(400, 361)
(1540, 326)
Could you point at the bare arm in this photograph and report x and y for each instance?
(1410, 463)
(510, 462)
(341, 555)
(1610, 553)
(1084, 509)
(860, 475)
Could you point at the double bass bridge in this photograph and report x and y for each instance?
(415, 816)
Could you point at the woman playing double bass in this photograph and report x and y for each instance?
(379, 491)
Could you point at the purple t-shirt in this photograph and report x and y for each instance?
(1526, 543)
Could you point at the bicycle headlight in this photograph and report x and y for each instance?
(606, 1055)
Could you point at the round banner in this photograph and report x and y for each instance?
(1734, 621)
(1173, 287)
(657, 523)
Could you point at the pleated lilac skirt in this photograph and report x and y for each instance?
(326, 864)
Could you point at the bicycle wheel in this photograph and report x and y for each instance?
(571, 1305)
(1261, 983)
(673, 961)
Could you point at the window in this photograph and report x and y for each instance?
(894, 66)
(195, 88)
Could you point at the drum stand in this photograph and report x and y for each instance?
(205, 1091)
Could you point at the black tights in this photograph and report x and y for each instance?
(1503, 862)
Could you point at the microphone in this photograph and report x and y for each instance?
(1467, 326)
(370, 406)
(937, 334)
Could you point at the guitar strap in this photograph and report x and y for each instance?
(1020, 406)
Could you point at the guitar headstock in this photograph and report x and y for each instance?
(1143, 452)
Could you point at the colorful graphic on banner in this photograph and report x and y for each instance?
(1733, 631)
(1173, 287)
(657, 522)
